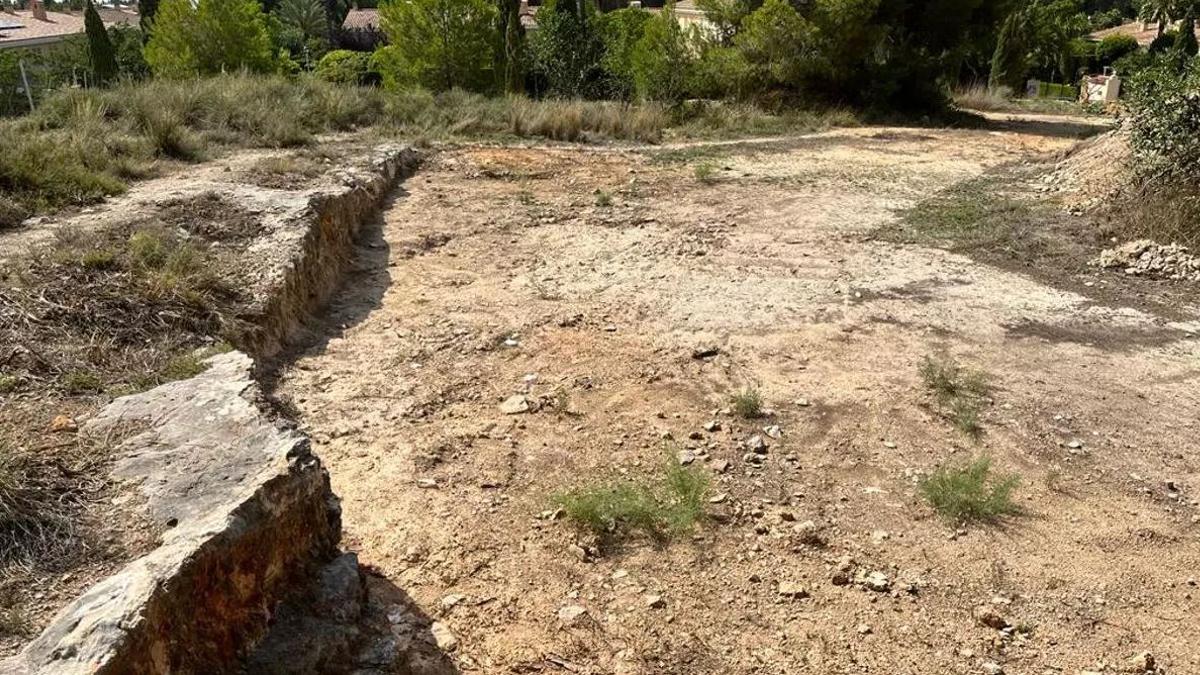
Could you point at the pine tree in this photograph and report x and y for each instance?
(104, 60)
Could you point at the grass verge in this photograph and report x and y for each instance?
(661, 506)
(970, 493)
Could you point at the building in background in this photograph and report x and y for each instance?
(37, 28)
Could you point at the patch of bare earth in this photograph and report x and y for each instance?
(501, 271)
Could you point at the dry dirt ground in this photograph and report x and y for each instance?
(587, 278)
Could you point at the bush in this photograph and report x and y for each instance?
(343, 66)
(1164, 121)
(970, 492)
(661, 507)
(621, 30)
(1114, 47)
(661, 59)
(568, 51)
(1164, 42)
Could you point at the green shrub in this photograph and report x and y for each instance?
(568, 50)
(1113, 47)
(662, 506)
(970, 492)
(747, 403)
(621, 30)
(661, 59)
(343, 66)
(1164, 121)
(960, 392)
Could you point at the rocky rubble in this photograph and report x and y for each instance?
(1146, 258)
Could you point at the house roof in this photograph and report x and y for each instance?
(24, 30)
(1144, 33)
(361, 19)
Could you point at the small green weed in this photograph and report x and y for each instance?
(747, 403)
(661, 507)
(181, 367)
(970, 492)
(78, 382)
(99, 259)
(960, 392)
(706, 172)
(603, 199)
(9, 383)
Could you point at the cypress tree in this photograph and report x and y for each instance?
(146, 11)
(104, 60)
(1008, 61)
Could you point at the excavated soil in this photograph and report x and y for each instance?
(497, 272)
(588, 278)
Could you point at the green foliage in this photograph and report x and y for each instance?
(344, 67)
(440, 44)
(212, 37)
(1114, 47)
(970, 492)
(778, 45)
(960, 392)
(512, 54)
(1186, 45)
(1038, 35)
(568, 50)
(1163, 43)
(620, 31)
(661, 59)
(147, 10)
(307, 17)
(725, 17)
(661, 507)
(104, 61)
(127, 46)
(1164, 120)
(747, 403)
(78, 382)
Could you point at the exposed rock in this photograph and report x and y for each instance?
(875, 581)
(1147, 258)
(62, 423)
(443, 636)
(655, 601)
(516, 404)
(795, 591)
(756, 444)
(986, 615)
(1142, 662)
(571, 613)
(253, 516)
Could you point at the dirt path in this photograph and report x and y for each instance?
(500, 271)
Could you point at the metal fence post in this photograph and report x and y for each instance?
(25, 81)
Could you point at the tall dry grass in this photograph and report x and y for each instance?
(83, 145)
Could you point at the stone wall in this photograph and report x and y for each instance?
(246, 509)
